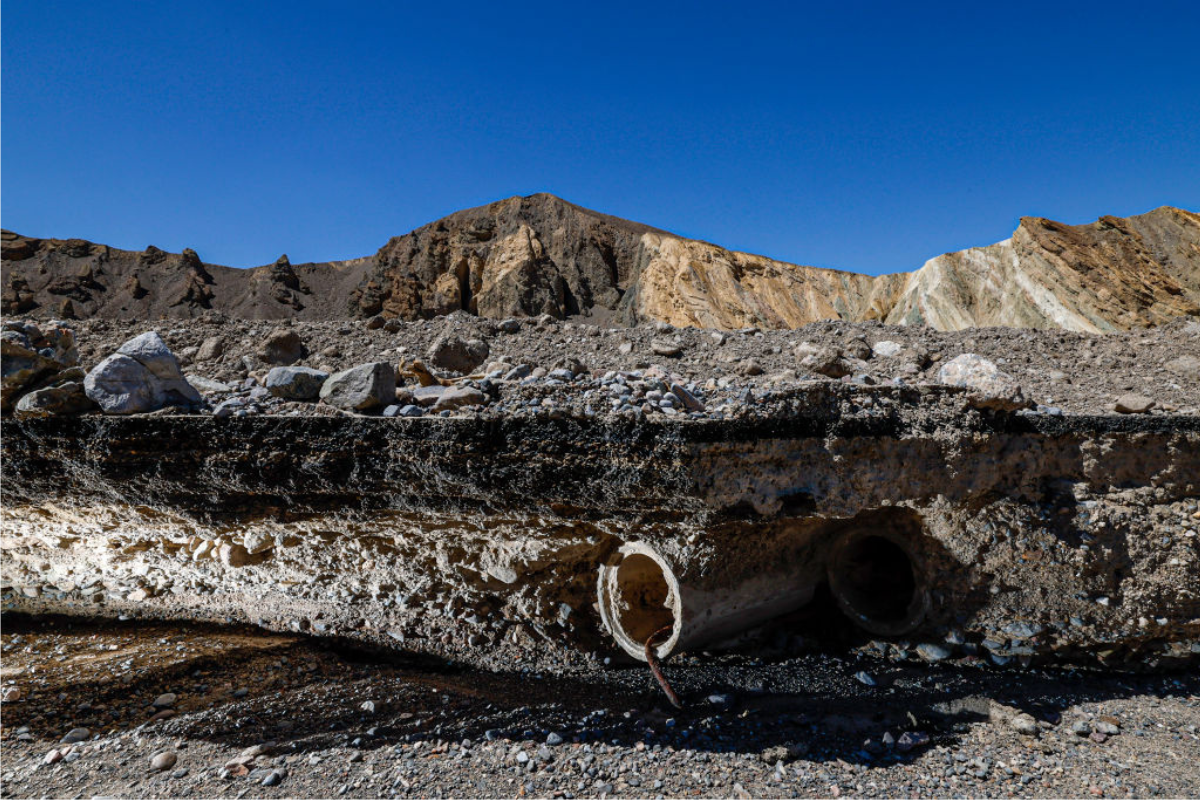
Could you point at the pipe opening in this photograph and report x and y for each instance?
(641, 598)
(876, 582)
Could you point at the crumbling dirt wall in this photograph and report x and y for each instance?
(1023, 535)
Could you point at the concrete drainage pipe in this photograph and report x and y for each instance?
(878, 582)
(641, 592)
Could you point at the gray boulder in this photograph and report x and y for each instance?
(458, 354)
(362, 388)
(208, 385)
(143, 375)
(66, 398)
(296, 383)
(152, 353)
(121, 385)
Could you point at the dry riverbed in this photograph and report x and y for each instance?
(191, 710)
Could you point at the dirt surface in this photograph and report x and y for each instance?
(1073, 372)
(328, 721)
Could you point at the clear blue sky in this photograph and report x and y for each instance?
(864, 136)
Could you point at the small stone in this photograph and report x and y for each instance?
(457, 354)
(211, 348)
(1109, 726)
(932, 652)
(460, 397)
(368, 706)
(11, 694)
(864, 678)
(910, 740)
(518, 372)
(257, 542)
(665, 349)
(750, 367)
(207, 385)
(1081, 728)
(165, 700)
(53, 757)
(1024, 724)
(76, 735)
(823, 360)
(274, 778)
(886, 349)
(554, 739)
(1133, 404)
(233, 555)
(282, 347)
(163, 761)
(783, 753)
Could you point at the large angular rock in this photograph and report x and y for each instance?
(143, 375)
(992, 388)
(66, 398)
(21, 366)
(152, 353)
(296, 383)
(458, 354)
(121, 385)
(283, 348)
(30, 357)
(362, 388)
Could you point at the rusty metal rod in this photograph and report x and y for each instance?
(656, 668)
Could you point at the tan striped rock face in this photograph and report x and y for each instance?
(1115, 274)
(527, 256)
(686, 282)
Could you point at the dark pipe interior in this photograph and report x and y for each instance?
(875, 577)
(643, 596)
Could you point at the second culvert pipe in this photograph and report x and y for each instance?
(642, 590)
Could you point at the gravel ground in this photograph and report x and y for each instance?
(173, 710)
(1057, 370)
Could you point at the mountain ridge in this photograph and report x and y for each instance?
(540, 254)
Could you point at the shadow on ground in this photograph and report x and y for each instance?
(240, 686)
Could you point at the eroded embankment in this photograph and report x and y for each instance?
(1003, 535)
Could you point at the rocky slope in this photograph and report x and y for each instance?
(527, 256)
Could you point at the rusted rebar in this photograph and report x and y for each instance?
(656, 668)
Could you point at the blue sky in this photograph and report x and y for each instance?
(863, 136)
